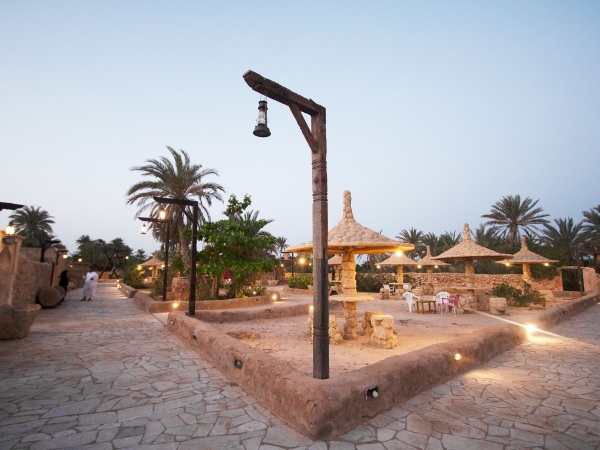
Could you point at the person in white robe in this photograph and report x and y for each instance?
(91, 281)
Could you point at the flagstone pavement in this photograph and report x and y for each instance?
(104, 375)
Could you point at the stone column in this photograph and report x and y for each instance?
(470, 302)
(527, 274)
(10, 247)
(349, 275)
(400, 275)
(351, 324)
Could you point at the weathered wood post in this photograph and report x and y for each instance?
(316, 137)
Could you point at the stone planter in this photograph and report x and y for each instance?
(15, 321)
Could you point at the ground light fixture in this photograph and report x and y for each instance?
(457, 357)
(261, 129)
(372, 392)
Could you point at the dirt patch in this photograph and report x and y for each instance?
(243, 335)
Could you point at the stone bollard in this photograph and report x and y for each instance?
(498, 305)
(383, 331)
(335, 336)
(366, 323)
(384, 293)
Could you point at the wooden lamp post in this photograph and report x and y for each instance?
(316, 138)
(194, 204)
(162, 219)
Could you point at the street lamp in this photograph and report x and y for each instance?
(162, 219)
(194, 204)
(316, 137)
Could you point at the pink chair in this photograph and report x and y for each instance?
(451, 302)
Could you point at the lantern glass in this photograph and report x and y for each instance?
(162, 215)
(65, 256)
(10, 230)
(261, 129)
(144, 229)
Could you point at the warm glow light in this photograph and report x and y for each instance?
(302, 260)
(378, 266)
(10, 230)
(311, 309)
(399, 253)
(274, 297)
(144, 229)
(436, 267)
(507, 264)
(531, 328)
(65, 256)
(419, 266)
(457, 357)
(162, 267)
(139, 267)
(253, 292)
(127, 257)
(175, 305)
(162, 215)
(546, 264)
(79, 259)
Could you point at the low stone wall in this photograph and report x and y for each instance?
(152, 306)
(289, 290)
(484, 280)
(323, 409)
(31, 276)
(127, 290)
(273, 312)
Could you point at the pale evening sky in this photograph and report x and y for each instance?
(435, 109)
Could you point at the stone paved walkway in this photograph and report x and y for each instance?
(104, 375)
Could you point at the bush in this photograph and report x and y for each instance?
(251, 291)
(517, 297)
(134, 277)
(372, 282)
(300, 281)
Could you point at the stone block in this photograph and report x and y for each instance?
(384, 293)
(15, 321)
(383, 331)
(498, 305)
(366, 323)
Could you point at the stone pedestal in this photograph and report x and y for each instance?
(366, 323)
(15, 322)
(384, 293)
(498, 305)
(351, 321)
(349, 274)
(335, 336)
(383, 331)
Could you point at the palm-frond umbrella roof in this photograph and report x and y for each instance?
(335, 260)
(526, 256)
(468, 249)
(428, 260)
(153, 262)
(398, 259)
(350, 236)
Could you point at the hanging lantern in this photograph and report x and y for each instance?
(144, 229)
(261, 129)
(162, 215)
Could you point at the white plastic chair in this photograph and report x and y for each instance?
(439, 300)
(391, 288)
(409, 296)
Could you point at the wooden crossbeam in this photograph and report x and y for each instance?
(310, 139)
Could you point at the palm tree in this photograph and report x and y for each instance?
(179, 180)
(449, 239)
(33, 223)
(566, 237)
(510, 216)
(415, 237)
(591, 222)
(433, 241)
(281, 244)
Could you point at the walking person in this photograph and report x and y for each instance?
(63, 282)
(91, 281)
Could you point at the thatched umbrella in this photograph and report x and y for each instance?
(154, 263)
(430, 263)
(400, 260)
(349, 238)
(468, 251)
(335, 261)
(526, 257)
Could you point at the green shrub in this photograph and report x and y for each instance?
(251, 291)
(372, 282)
(518, 297)
(134, 277)
(300, 281)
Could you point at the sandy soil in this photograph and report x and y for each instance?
(288, 338)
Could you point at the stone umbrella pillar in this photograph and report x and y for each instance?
(470, 302)
(526, 257)
(527, 273)
(400, 275)
(10, 247)
(349, 274)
